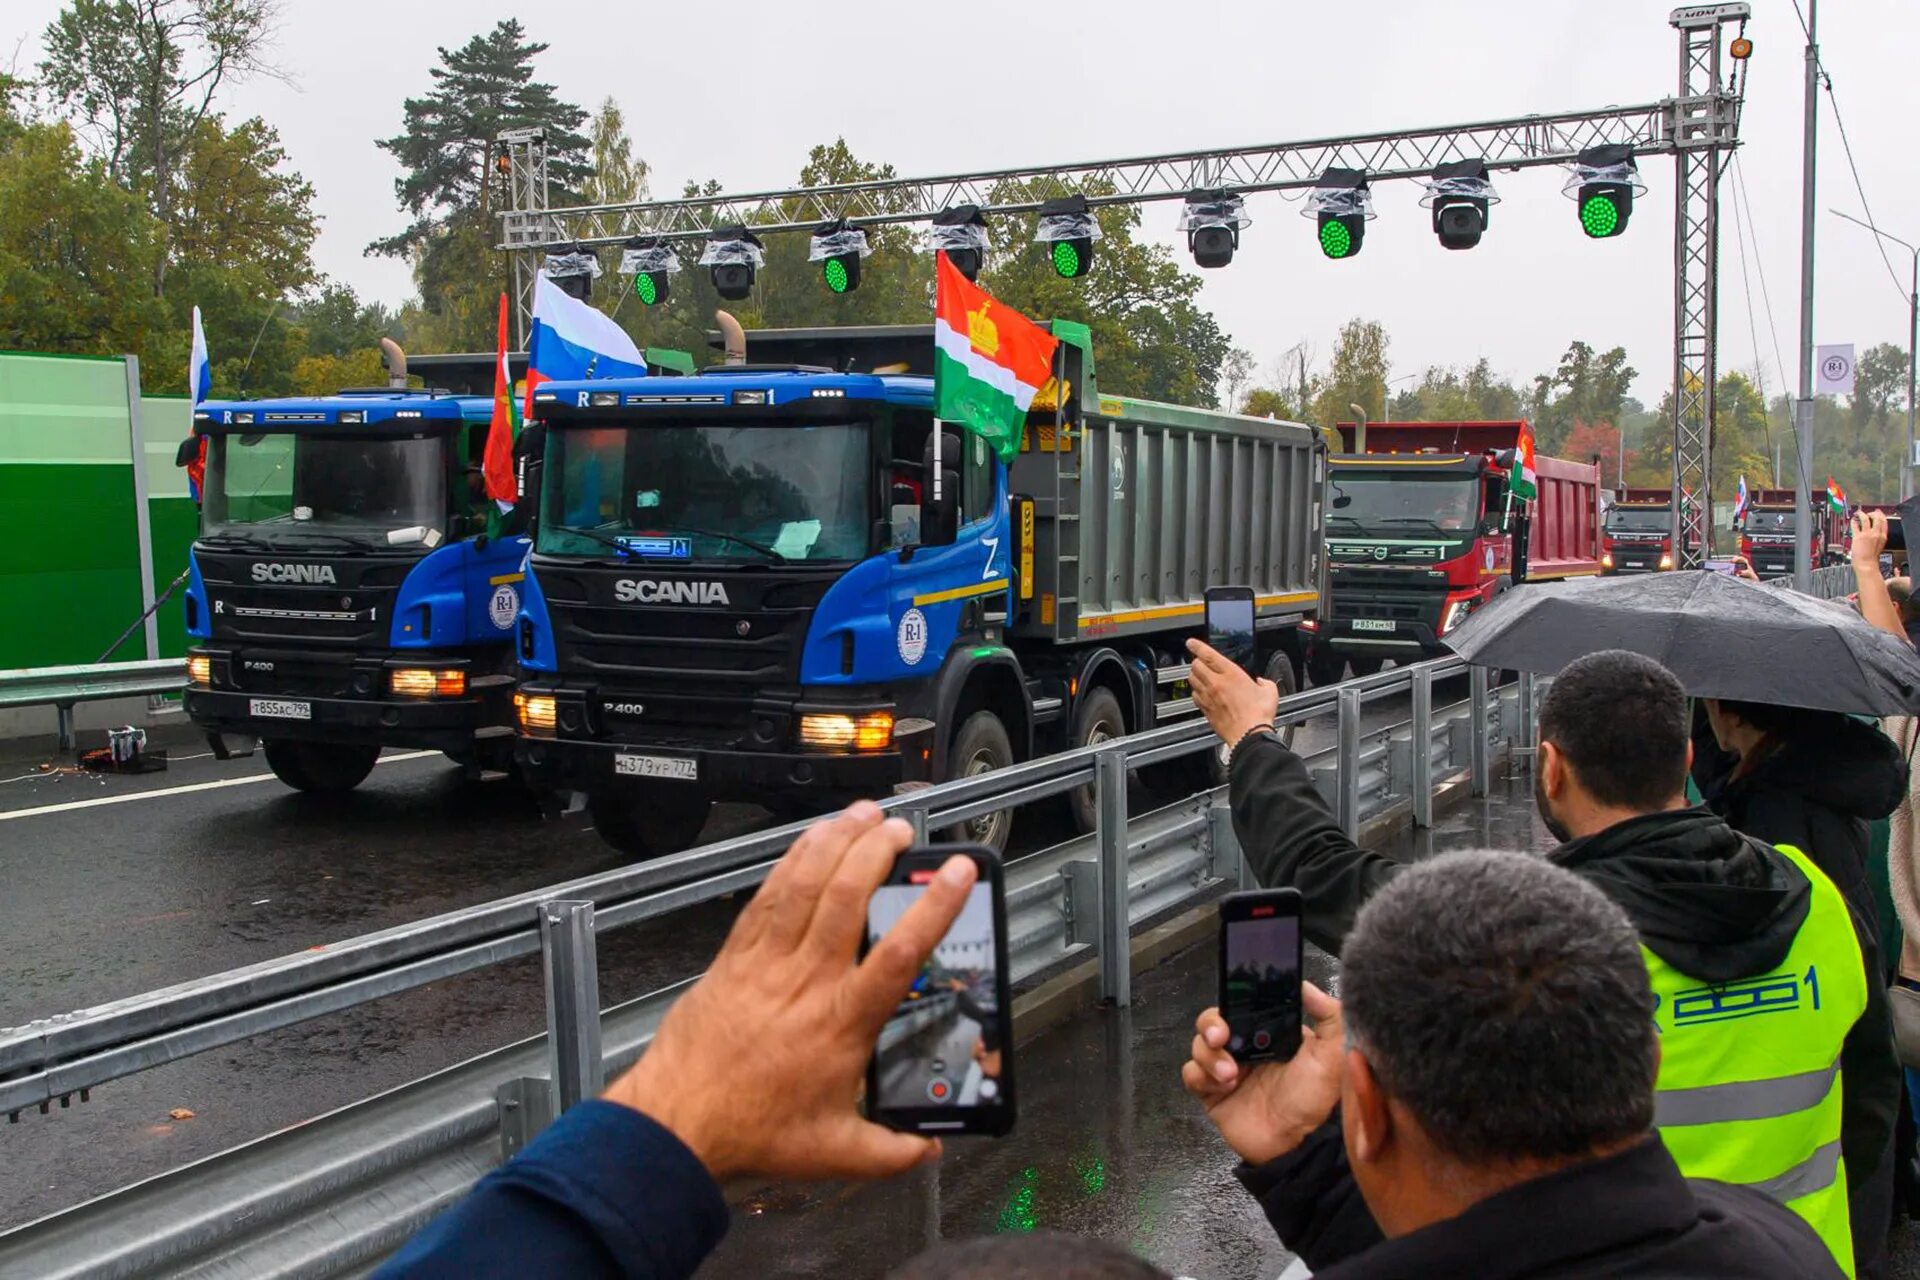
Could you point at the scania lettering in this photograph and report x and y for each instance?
(670, 592)
(344, 593)
(743, 588)
(1422, 529)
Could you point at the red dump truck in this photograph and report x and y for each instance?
(1637, 534)
(1422, 530)
(1766, 535)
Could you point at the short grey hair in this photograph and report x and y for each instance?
(1504, 1001)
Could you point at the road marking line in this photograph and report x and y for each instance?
(180, 791)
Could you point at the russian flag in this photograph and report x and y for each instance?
(199, 387)
(571, 340)
(1740, 500)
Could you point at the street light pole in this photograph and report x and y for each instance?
(1803, 409)
(1913, 344)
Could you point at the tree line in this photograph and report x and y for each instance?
(132, 196)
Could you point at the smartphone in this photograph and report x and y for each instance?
(1260, 973)
(1230, 623)
(944, 1061)
(1731, 567)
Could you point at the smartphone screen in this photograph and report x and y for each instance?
(1230, 623)
(1260, 973)
(1721, 566)
(944, 1061)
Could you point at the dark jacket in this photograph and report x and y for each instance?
(603, 1192)
(1817, 792)
(1630, 1214)
(1711, 902)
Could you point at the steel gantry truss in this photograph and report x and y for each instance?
(1697, 128)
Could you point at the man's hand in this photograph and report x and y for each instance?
(758, 1067)
(1869, 539)
(1233, 702)
(1745, 570)
(1269, 1109)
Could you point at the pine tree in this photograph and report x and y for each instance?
(450, 139)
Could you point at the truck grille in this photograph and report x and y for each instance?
(315, 675)
(355, 611)
(1401, 606)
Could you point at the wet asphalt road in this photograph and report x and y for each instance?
(118, 885)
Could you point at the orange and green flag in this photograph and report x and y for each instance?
(1836, 497)
(1525, 483)
(497, 465)
(988, 360)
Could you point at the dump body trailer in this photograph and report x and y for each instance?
(1422, 530)
(669, 665)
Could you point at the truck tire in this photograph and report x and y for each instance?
(649, 823)
(1280, 671)
(1098, 719)
(981, 746)
(319, 767)
(1325, 668)
(1366, 666)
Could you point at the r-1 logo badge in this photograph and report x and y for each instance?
(504, 607)
(911, 639)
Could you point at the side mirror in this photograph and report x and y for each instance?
(1342, 501)
(188, 453)
(456, 527)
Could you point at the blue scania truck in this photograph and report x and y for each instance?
(352, 588)
(743, 588)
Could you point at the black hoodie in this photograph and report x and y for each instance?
(1817, 792)
(1710, 901)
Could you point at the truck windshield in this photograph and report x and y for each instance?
(286, 489)
(1759, 521)
(685, 491)
(1392, 500)
(1639, 519)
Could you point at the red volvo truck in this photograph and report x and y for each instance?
(1766, 535)
(1637, 534)
(1422, 529)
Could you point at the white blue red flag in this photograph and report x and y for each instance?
(571, 340)
(1740, 499)
(199, 386)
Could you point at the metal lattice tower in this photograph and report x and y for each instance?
(1705, 121)
(526, 163)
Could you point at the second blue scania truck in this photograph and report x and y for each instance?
(742, 587)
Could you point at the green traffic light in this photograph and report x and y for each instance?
(646, 288)
(1599, 216)
(1336, 241)
(835, 274)
(1066, 259)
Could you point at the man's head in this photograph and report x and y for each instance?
(1613, 743)
(1045, 1255)
(1499, 1026)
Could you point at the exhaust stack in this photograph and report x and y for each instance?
(395, 360)
(733, 338)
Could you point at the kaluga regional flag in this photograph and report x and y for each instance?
(571, 340)
(988, 360)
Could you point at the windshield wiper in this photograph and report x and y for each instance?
(604, 539)
(762, 548)
(1348, 519)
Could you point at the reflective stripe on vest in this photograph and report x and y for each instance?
(1749, 1086)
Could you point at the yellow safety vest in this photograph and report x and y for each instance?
(1749, 1086)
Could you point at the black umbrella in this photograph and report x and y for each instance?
(1723, 636)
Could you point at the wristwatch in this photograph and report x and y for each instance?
(1258, 731)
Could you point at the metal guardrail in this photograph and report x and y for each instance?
(331, 1196)
(64, 687)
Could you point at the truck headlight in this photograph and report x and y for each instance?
(199, 669)
(870, 731)
(536, 711)
(1606, 560)
(1455, 614)
(422, 682)
(1666, 562)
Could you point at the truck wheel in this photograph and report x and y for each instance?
(649, 823)
(319, 767)
(981, 746)
(1366, 666)
(1280, 671)
(1325, 668)
(1097, 720)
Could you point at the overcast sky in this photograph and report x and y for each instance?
(951, 87)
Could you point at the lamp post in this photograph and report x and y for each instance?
(1913, 342)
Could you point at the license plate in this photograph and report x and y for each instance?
(1373, 624)
(657, 767)
(275, 709)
